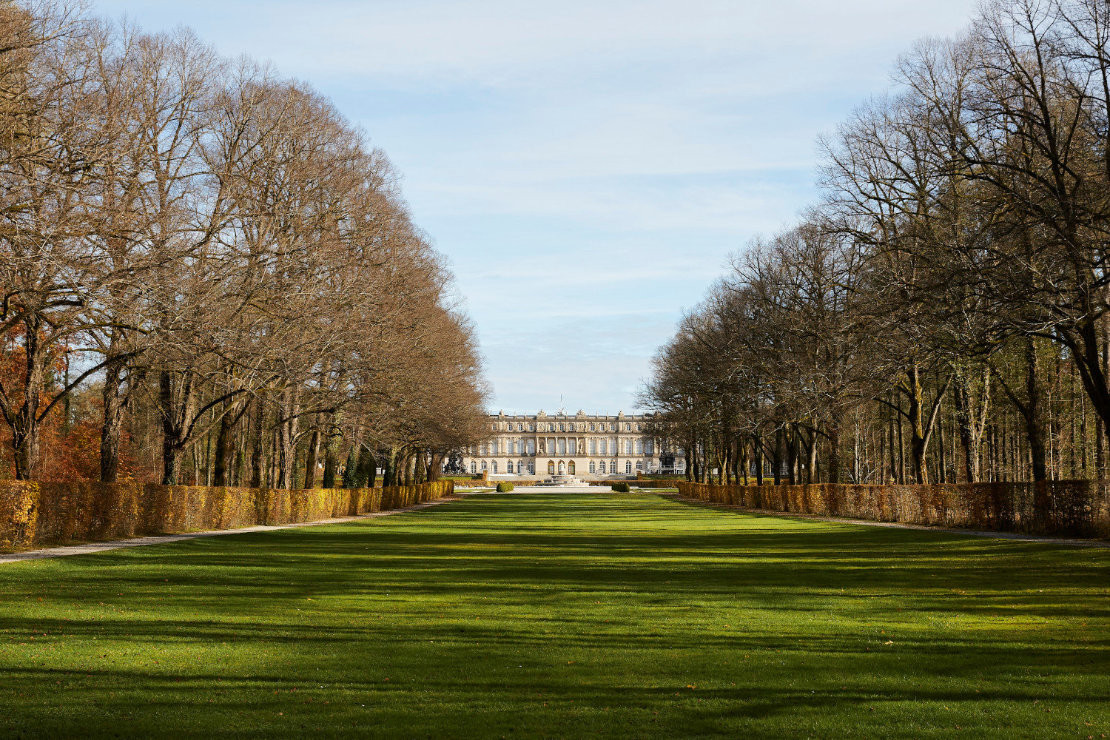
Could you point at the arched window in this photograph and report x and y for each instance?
(562, 468)
(613, 466)
(485, 466)
(493, 469)
(509, 466)
(570, 468)
(473, 467)
(593, 466)
(551, 467)
(532, 468)
(628, 467)
(639, 466)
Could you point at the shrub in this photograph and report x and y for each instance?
(621, 487)
(1077, 508)
(504, 487)
(42, 514)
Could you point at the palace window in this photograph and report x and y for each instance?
(604, 447)
(639, 447)
(493, 447)
(562, 468)
(639, 466)
(593, 448)
(649, 445)
(570, 468)
(628, 427)
(628, 467)
(591, 426)
(531, 468)
(485, 466)
(551, 467)
(562, 446)
(531, 447)
(613, 467)
(593, 466)
(473, 467)
(509, 466)
(482, 449)
(493, 467)
(628, 447)
(570, 427)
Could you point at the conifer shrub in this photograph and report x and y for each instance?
(504, 487)
(621, 487)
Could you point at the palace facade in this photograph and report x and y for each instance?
(582, 445)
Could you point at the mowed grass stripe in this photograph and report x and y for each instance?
(552, 615)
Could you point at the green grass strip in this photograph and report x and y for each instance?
(562, 616)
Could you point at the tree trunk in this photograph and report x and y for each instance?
(834, 451)
(223, 448)
(174, 406)
(24, 423)
(287, 438)
(114, 400)
(1034, 413)
(311, 455)
(258, 422)
(331, 462)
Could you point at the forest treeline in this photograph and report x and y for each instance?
(207, 275)
(940, 315)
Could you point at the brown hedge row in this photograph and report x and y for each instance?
(1073, 508)
(637, 482)
(42, 514)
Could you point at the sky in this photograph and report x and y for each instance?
(586, 168)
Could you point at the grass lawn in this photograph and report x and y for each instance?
(560, 616)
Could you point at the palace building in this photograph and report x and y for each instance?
(581, 445)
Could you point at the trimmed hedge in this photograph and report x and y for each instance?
(505, 487)
(621, 487)
(42, 514)
(1070, 508)
(638, 482)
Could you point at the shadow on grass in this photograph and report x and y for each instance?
(622, 612)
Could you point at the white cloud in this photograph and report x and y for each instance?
(586, 166)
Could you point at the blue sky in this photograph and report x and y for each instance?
(587, 168)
